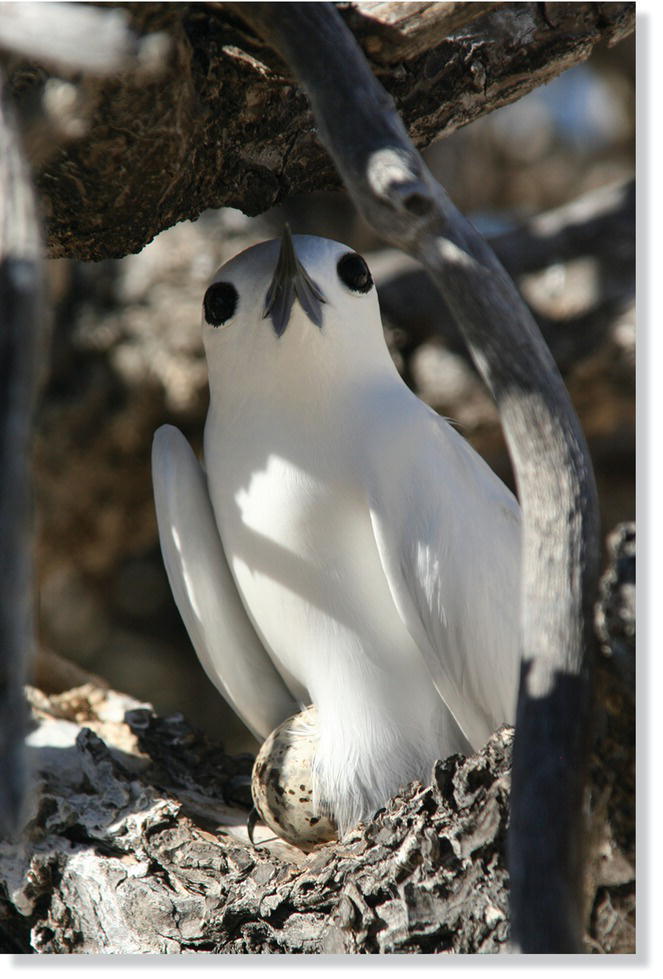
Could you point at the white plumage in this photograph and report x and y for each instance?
(346, 546)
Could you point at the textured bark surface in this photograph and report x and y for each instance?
(210, 116)
(611, 890)
(137, 839)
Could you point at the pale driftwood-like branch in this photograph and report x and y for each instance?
(396, 193)
(600, 223)
(202, 149)
(130, 852)
(393, 32)
(21, 323)
(69, 37)
(598, 228)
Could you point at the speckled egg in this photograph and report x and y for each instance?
(282, 786)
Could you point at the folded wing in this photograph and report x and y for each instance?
(204, 590)
(448, 533)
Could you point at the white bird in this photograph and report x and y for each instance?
(343, 544)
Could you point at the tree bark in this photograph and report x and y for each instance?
(136, 840)
(209, 116)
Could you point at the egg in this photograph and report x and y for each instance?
(282, 787)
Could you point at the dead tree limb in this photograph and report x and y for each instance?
(394, 32)
(600, 223)
(598, 227)
(214, 118)
(78, 38)
(396, 193)
(21, 325)
(68, 37)
(32, 29)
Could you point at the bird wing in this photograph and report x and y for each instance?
(448, 535)
(205, 593)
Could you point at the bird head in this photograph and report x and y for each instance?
(297, 279)
(298, 314)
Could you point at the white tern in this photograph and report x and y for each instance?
(342, 545)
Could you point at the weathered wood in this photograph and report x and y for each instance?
(59, 922)
(70, 37)
(599, 223)
(218, 121)
(132, 848)
(396, 193)
(21, 327)
(136, 840)
(598, 227)
(393, 32)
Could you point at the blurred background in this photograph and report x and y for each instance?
(127, 356)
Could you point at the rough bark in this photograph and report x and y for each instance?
(137, 842)
(209, 116)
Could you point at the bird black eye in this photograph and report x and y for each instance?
(220, 302)
(354, 272)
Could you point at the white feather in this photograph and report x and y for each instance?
(451, 556)
(205, 593)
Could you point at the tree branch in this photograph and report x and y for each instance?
(393, 32)
(398, 196)
(69, 37)
(600, 223)
(172, 117)
(599, 227)
(142, 816)
(21, 324)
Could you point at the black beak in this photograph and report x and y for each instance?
(291, 280)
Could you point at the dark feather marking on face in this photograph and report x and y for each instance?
(291, 281)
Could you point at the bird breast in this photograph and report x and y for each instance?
(296, 528)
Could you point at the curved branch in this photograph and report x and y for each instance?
(599, 226)
(396, 193)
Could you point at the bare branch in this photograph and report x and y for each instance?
(601, 222)
(392, 32)
(598, 228)
(21, 321)
(69, 37)
(396, 193)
